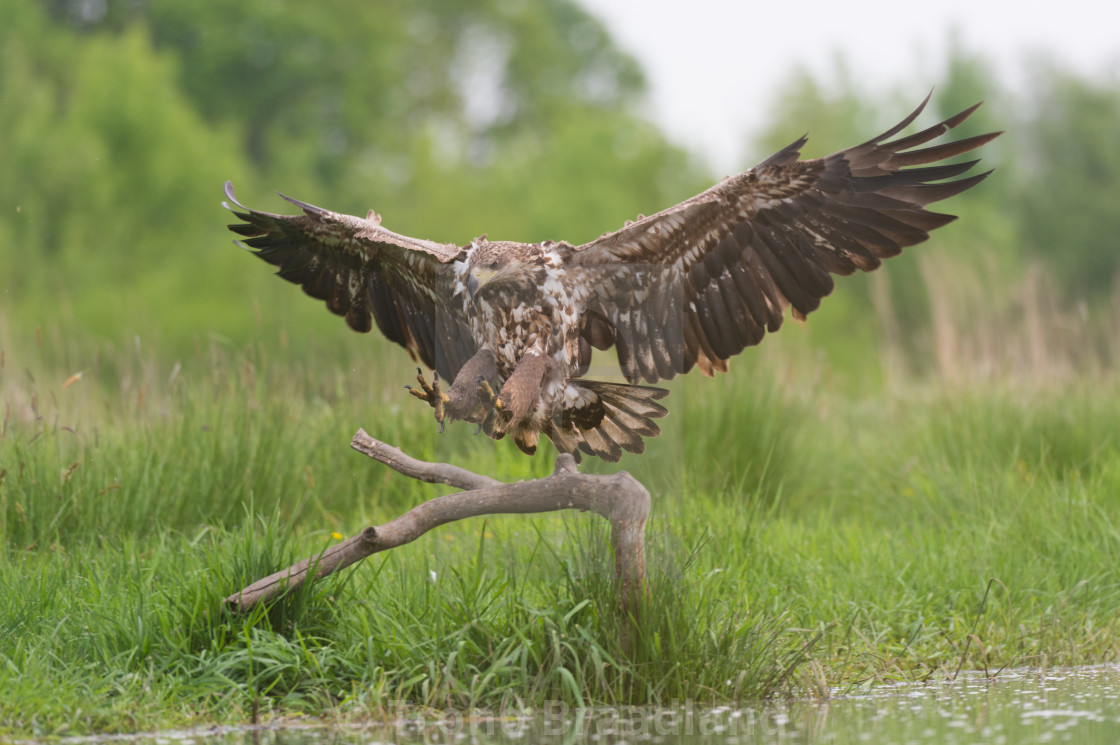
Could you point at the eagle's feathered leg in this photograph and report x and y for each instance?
(470, 397)
(491, 405)
(523, 388)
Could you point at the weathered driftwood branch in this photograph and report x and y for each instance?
(619, 497)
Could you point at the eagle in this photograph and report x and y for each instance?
(513, 325)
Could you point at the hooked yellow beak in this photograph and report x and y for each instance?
(479, 276)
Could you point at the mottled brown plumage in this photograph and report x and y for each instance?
(685, 288)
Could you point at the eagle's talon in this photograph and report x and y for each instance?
(441, 399)
(485, 392)
(427, 391)
(489, 423)
(432, 394)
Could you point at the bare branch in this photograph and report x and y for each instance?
(618, 497)
(432, 473)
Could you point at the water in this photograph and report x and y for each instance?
(1022, 706)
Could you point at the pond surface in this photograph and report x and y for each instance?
(1021, 706)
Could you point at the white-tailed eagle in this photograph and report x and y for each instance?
(513, 325)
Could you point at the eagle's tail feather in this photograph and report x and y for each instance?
(566, 438)
(525, 438)
(614, 418)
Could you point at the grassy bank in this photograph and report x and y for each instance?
(807, 533)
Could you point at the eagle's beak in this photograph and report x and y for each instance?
(477, 279)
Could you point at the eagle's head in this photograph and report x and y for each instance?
(502, 267)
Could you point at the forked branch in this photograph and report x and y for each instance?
(618, 497)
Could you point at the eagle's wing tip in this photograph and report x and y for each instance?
(308, 209)
(227, 189)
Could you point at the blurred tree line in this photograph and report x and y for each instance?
(121, 119)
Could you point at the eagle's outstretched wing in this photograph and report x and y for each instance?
(365, 271)
(699, 282)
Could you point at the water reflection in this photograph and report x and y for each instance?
(1021, 706)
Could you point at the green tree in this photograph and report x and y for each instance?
(109, 176)
(509, 118)
(345, 93)
(1069, 189)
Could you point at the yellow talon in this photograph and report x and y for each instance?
(432, 394)
(441, 414)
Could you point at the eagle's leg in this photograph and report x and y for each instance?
(466, 395)
(471, 395)
(465, 400)
(523, 389)
(432, 394)
(487, 396)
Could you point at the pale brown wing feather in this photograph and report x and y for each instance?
(613, 419)
(717, 271)
(366, 273)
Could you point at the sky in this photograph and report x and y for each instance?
(714, 65)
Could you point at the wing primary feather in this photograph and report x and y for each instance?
(923, 194)
(788, 154)
(692, 350)
(712, 322)
(622, 343)
(906, 122)
(706, 358)
(924, 136)
(764, 245)
(660, 358)
(922, 220)
(747, 332)
(726, 341)
(752, 301)
(881, 221)
(642, 349)
(310, 209)
(935, 153)
(912, 176)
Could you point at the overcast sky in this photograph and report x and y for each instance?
(714, 65)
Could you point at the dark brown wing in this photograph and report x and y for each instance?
(365, 271)
(699, 282)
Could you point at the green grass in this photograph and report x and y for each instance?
(805, 535)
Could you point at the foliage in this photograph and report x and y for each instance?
(1066, 198)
